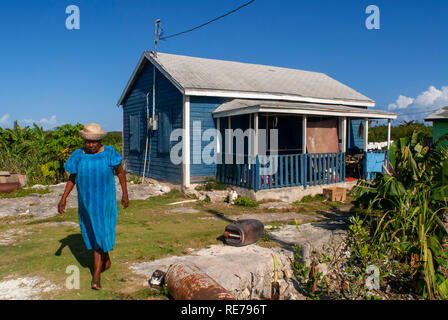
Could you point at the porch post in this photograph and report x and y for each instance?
(349, 125)
(229, 143)
(186, 144)
(388, 133)
(344, 134)
(366, 133)
(304, 134)
(249, 144)
(256, 133)
(218, 135)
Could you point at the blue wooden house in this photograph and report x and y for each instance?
(319, 121)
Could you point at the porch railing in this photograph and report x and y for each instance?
(280, 171)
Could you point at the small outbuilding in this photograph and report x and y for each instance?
(319, 122)
(439, 123)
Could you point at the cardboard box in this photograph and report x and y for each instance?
(335, 194)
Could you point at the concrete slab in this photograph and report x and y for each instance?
(280, 216)
(184, 210)
(247, 272)
(276, 205)
(289, 194)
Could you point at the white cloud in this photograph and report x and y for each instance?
(433, 97)
(423, 105)
(44, 122)
(4, 120)
(401, 103)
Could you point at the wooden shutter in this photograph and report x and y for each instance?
(134, 134)
(164, 129)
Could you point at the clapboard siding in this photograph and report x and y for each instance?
(159, 165)
(201, 109)
(440, 128)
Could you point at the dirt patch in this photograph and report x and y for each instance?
(184, 210)
(58, 224)
(9, 237)
(27, 288)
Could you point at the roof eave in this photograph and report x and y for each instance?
(273, 96)
(303, 111)
(147, 56)
(131, 79)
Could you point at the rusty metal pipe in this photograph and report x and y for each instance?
(185, 281)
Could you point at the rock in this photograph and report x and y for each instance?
(39, 186)
(313, 238)
(28, 288)
(216, 195)
(233, 195)
(193, 193)
(275, 205)
(184, 210)
(245, 271)
(322, 267)
(280, 216)
(58, 224)
(165, 189)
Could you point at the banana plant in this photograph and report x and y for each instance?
(413, 201)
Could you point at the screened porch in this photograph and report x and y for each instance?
(316, 149)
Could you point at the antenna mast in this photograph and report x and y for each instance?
(156, 36)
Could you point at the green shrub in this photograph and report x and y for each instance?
(114, 139)
(245, 202)
(412, 203)
(39, 154)
(134, 179)
(310, 198)
(24, 192)
(212, 184)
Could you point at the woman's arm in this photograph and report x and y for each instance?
(122, 177)
(68, 189)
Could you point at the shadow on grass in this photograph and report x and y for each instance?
(220, 215)
(78, 249)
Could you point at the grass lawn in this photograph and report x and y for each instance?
(145, 231)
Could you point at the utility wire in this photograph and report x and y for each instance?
(407, 114)
(208, 22)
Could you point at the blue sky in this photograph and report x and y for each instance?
(53, 75)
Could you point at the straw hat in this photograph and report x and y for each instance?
(92, 131)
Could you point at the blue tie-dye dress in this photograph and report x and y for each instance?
(97, 204)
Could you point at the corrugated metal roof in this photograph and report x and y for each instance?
(211, 74)
(242, 106)
(441, 114)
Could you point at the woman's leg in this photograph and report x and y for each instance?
(98, 264)
(106, 261)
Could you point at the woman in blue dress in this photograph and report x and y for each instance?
(92, 170)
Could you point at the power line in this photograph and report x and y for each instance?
(407, 114)
(208, 22)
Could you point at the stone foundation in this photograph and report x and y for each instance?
(289, 194)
